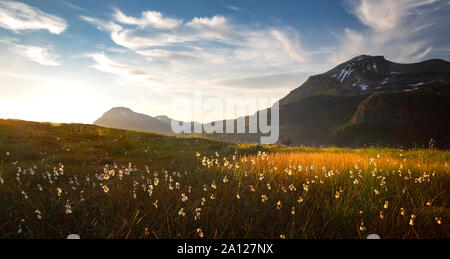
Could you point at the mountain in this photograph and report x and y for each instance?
(124, 118)
(369, 100)
(364, 75)
(366, 100)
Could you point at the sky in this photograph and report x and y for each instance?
(71, 61)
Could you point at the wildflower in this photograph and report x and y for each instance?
(252, 188)
(105, 189)
(1, 180)
(264, 198)
(300, 199)
(438, 220)
(7, 153)
(293, 211)
(146, 232)
(376, 192)
(381, 215)
(279, 205)
(68, 208)
(25, 196)
(197, 213)
(411, 221)
(282, 236)
(155, 204)
(38, 214)
(238, 196)
(402, 211)
(292, 188)
(225, 179)
(59, 191)
(213, 185)
(181, 212)
(337, 195)
(213, 197)
(386, 205)
(203, 201)
(261, 177)
(184, 198)
(200, 232)
(362, 227)
(429, 204)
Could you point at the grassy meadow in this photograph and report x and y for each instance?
(59, 179)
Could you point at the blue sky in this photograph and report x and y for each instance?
(70, 61)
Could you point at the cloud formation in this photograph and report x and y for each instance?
(401, 30)
(17, 16)
(38, 54)
(203, 48)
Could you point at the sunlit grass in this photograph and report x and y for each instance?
(105, 183)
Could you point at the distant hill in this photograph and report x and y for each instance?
(124, 118)
(366, 100)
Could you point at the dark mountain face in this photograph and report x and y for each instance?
(365, 75)
(369, 100)
(124, 118)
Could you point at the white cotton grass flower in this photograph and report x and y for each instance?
(279, 205)
(38, 214)
(68, 208)
(411, 221)
(197, 213)
(264, 198)
(181, 212)
(199, 232)
(362, 227)
(184, 198)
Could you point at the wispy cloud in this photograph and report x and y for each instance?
(36, 54)
(39, 54)
(202, 48)
(402, 30)
(17, 16)
(148, 19)
(234, 8)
